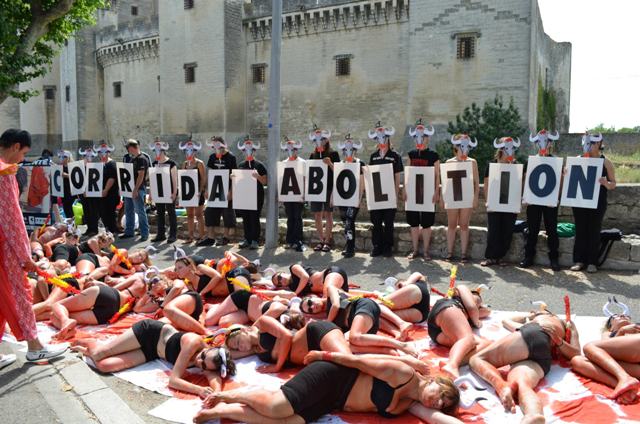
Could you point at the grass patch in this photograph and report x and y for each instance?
(616, 158)
(627, 174)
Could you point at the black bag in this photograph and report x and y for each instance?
(607, 238)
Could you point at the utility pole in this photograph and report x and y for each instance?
(273, 144)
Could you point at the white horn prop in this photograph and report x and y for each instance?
(498, 144)
(625, 308)
(473, 143)
(428, 131)
(533, 139)
(412, 132)
(312, 136)
(605, 309)
(540, 304)
(341, 145)
(595, 138)
(165, 145)
(197, 146)
(553, 137)
(284, 146)
(326, 134)
(516, 142)
(178, 253)
(256, 146)
(151, 251)
(298, 145)
(357, 146)
(389, 131)
(152, 269)
(241, 146)
(182, 146)
(372, 135)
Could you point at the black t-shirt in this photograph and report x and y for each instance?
(261, 170)
(66, 182)
(171, 164)
(334, 157)
(424, 157)
(227, 161)
(391, 157)
(140, 163)
(110, 170)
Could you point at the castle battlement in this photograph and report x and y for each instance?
(143, 27)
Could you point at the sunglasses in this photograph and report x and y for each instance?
(202, 357)
(308, 305)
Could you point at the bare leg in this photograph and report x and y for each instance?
(190, 222)
(200, 216)
(456, 333)
(175, 311)
(465, 217)
(405, 297)
(426, 241)
(452, 226)
(358, 336)
(415, 238)
(602, 353)
(269, 403)
(241, 413)
(525, 376)
(402, 326)
(318, 219)
(218, 311)
(328, 236)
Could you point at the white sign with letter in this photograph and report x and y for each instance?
(581, 188)
(380, 185)
(542, 183)
(188, 188)
(456, 179)
(245, 190)
(160, 182)
(218, 188)
(346, 184)
(291, 181)
(95, 175)
(77, 180)
(126, 182)
(419, 184)
(505, 187)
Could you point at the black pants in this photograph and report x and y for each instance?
(91, 212)
(170, 208)
(251, 224)
(67, 206)
(348, 216)
(293, 210)
(588, 226)
(499, 234)
(108, 214)
(382, 232)
(535, 213)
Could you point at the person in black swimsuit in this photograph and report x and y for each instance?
(148, 340)
(66, 254)
(411, 298)
(201, 278)
(361, 317)
(304, 280)
(96, 244)
(242, 306)
(528, 351)
(386, 386)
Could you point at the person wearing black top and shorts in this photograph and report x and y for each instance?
(251, 219)
(136, 205)
(383, 219)
(163, 160)
(421, 222)
(221, 158)
(110, 192)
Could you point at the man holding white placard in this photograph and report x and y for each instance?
(251, 218)
(293, 208)
(163, 161)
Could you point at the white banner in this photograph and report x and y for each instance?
(188, 187)
(581, 188)
(380, 185)
(126, 181)
(542, 183)
(95, 175)
(57, 181)
(160, 182)
(316, 181)
(291, 181)
(505, 187)
(77, 180)
(419, 184)
(346, 184)
(245, 190)
(456, 179)
(218, 188)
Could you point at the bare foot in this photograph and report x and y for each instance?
(506, 398)
(404, 332)
(67, 331)
(205, 415)
(454, 371)
(627, 384)
(212, 400)
(86, 346)
(533, 419)
(409, 348)
(627, 398)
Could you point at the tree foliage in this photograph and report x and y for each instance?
(612, 130)
(493, 120)
(546, 112)
(31, 33)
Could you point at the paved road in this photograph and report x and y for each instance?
(512, 289)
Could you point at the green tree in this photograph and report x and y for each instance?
(493, 120)
(546, 112)
(31, 33)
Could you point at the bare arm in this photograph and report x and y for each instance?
(189, 346)
(333, 293)
(609, 182)
(267, 324)
(299, 271)
(470, 305)
(432, 415)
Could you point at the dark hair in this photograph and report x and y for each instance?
(217, 359)
(449, 391)
(15, 136)
(46, 153)
(296, 320)
(218, 138)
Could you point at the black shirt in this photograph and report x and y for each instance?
(110, 170)
(424, 157)
(334, 157)
(227, 161)
(391, 157)
(140, 163)
(261, 170)
(171, 164)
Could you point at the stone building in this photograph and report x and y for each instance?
(173, 68)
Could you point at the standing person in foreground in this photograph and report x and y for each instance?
(15, 255)
(110, 193)
(251, 219)
(589, 221)
(421, 222)
(162, 159)
(135, 205)
(535, 213)
(190, 150)
(383, 219)
(294, 210)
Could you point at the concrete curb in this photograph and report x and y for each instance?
(75, 393)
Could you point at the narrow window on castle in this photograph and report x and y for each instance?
(158, 83)
(190, 72)
(343, 64)
(49, 92)
(134, 10)
(67, 93)
(258, 72)
(117, 89)
(466, 46)
(188, 4)
(546, 78)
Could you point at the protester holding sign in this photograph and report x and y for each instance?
(293, 209)
(421, 222)
(323, 210)
(64, 157)
(110, 194)
(589, 221)
(90, 205)
(499, 224)
(136, 204)
(221, 158)
(349, 214)
(162, 160)
(544, 142)
(251, 218)
(462, 144)
(190, 150)
(383, 219)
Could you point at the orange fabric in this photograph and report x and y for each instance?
(38, 188)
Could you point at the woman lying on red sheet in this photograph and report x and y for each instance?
(180, 306)
(304, 281)
(45, 295)
(362, 317)
(410, 300)
(528, 350)
(230, 261)
(201, 278)
(97, 244)
(148, 340)
(94, 305)
(65, 254)
(449, 324)
(614, 360)
(337, 381)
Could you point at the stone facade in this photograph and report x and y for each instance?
(403, 64)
